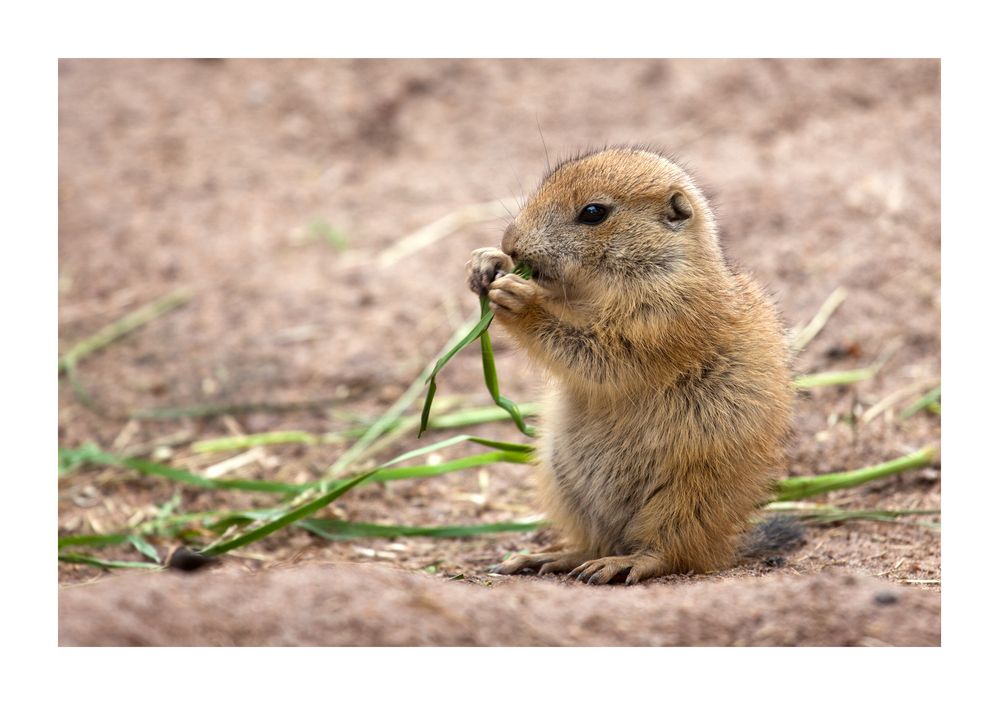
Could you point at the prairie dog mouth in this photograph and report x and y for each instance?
(538, 274)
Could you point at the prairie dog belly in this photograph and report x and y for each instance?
(600, 463)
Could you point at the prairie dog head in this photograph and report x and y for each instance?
(614, 219)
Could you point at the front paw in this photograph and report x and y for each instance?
(510, 296)
(544, 563)
(486, 264)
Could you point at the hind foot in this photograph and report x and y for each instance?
(602, 570)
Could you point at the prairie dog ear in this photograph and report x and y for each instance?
(678, 209)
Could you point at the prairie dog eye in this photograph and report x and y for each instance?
(593, 213)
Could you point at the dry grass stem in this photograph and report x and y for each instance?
(897, 396)
(801, 338)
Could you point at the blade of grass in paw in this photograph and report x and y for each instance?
(489, 366)
(432, 379)
(492, 381)
(478, 331)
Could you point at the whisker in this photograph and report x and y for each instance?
(548, 161)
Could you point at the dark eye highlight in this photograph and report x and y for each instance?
(593, 213)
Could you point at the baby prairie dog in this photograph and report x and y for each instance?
(669, 387)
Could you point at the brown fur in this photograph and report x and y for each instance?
(670, 393)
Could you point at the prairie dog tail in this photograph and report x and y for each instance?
(772, 537)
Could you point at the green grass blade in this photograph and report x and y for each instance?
(240, 518)
(925, 402)
(485, 414)
(71, 459)
(175, 524)
(144, 547)
(471, 461)
(96, 456)
(147, 467)
(427, 403)
(475, 332)
(793, 488)
(336, 530)
(499, 445)
(293, 514)
(492, 384)
(827, 513)
(92, 540)
(456, 419)
(272, 438)
(431, 382)
(511, 408)
(829, 379)
(508, 453)
(101, 563)
(126, 324)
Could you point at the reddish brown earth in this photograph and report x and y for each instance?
(345, 605)
(222, 176)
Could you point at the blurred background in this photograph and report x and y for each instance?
(270, 199)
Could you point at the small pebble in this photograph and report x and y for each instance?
(885, 598)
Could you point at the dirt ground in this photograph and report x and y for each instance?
(271, 190)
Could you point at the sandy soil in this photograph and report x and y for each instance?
(227, 178)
